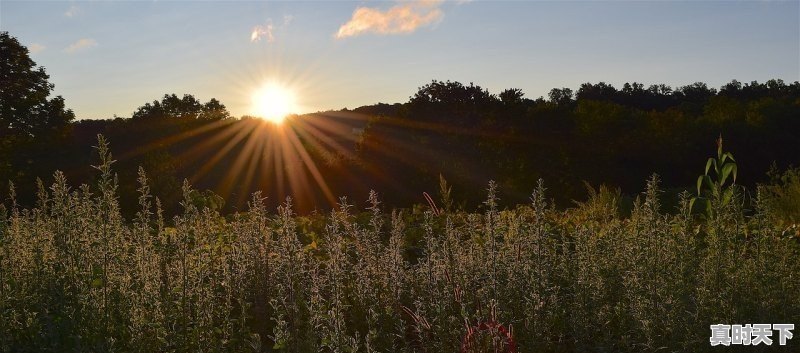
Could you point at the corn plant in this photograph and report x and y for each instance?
(716, 191)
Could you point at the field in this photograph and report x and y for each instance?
(76, 276)
(410, 176)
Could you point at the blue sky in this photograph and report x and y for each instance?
(110, 57)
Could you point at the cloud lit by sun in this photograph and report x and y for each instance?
(403, 18)
(273, 102)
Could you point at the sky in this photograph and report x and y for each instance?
(108, 58)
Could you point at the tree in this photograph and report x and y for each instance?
(25, 109)
(697, 92)
(599, 91)
(452, 93)
(451, 103)
(561, 96)
(214, 110)
(187, 107)
(511, 96)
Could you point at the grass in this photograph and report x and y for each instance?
(77, 277)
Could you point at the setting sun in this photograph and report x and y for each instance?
(273, 103)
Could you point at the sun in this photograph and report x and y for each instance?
(273, 103)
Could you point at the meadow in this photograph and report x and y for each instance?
(76, 276)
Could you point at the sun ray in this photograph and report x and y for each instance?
(239, 163)
(173, 139)
(309, 163)
(240, 135)
(196, 152)
(320, 140)
(252, 167)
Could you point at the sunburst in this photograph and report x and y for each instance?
(273, 102)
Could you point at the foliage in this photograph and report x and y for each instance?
(717, 191)
(172, 107)
(25, 109)
(782, 196)
(75, 275)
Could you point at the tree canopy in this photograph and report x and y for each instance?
(186, 107)
(596, 133)
(25, 109)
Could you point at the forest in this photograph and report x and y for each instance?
(597, 219)
(594, 135)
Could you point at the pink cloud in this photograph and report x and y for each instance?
(399, 19)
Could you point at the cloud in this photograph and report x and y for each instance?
(36, 48)
(399, 19)
(260, 32)
(81, 44)
(267, 31)
(72, 11)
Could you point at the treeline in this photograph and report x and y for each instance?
(598, 134)
(449, 132)
(463, 133)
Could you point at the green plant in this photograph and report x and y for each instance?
(716, 191)
(782, 195)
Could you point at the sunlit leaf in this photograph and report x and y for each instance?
(726, 171)
(708, 164)
(729, 156)
(709, 183)
(699, 184)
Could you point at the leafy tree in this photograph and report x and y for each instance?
(511, 96)
(561, 96)
(697, 92)
(732, 89)
(25, 109)
(213, 110)
(452, 93)
(660, 90)
(186, 107)
(451, 103)
(599, 91)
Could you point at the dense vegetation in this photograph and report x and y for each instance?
(76, 276)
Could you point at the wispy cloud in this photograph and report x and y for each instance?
(263, 32)
(36, 48)
(81, 44)
(267, 31)
(72, 11)
(403, 18)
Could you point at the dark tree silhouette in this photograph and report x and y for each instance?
(25, 109)
(599, 91)
(187, 107)
(561, 96)
(511, 96)
(33, 127)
